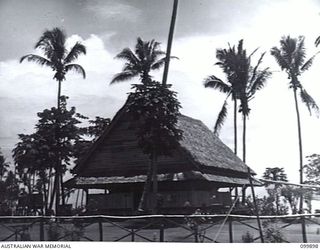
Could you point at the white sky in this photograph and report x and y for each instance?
(105, 27)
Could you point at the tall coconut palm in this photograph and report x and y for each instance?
(170, 38)
(254, 79)
(291, 57)
(147, 56)
(251, 79)
(228, 62)
(243, 82)
(56, 56)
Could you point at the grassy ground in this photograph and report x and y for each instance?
(291, 233)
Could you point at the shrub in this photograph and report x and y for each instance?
(247, 237)
(272, 233)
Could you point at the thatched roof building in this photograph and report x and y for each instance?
(201, 161)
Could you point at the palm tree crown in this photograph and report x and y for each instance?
(141, 61)
(291, 57)
(52, 43)
(243, 80)
(255, 80)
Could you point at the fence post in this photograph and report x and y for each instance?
(230, 230)
(196, 238)
(41, 230)
(132, 235)
(161, 233)
(100, 231)
(304, 233)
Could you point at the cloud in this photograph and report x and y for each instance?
(28, 88)
(111, 10)
(272, 134)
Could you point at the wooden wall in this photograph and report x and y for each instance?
(174, 199)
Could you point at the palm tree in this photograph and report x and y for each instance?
(227, 61)
(140, 62)
(147, 56)
(243, 82)
(254, 80)
(56, 56)
(291, 57)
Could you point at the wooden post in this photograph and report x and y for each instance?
(82, 195)
(196, 238)
(230, 230)
(161, 233)
(41, 230)
(87, 196)
(100, 231)
(304, 231)
(132, 235)
(256, 207)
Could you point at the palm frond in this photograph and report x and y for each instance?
(140, 48)
(254, 72)
(253, 52)
(284, 65)
(52, 42)
(74, 53)
(308, 63)
(128, 55)
(221, 118)
(37, 59)
(160, 63)
(309, 101)
(317, 42)
(77, 68)
(216, 83)
(299, 54)
(260, 81)
(123, 76)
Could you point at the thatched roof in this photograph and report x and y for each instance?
(222, 181)
(205, 148)
(116, 154)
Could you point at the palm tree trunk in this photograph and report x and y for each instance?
(154, 182)
(244, 153)
(49, 186)
(57, 189)
(45, 198)
(235, 126)
(58, 163)
(250, 178)
(169, 45)
(53, 193)
(146, 187)
(235, 131)
(244, 138)
(303, 225)
(62, 190)
(59, 95)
